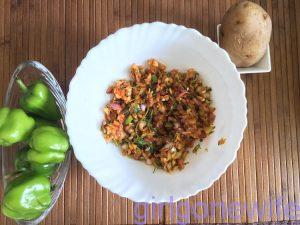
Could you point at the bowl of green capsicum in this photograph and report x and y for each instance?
(34, 144)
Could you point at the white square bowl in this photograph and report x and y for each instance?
(262, 66)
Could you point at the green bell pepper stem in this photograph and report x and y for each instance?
(15, 126)
(38, 99)
(22, 86)
(27, 196)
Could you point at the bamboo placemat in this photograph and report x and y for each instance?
(59, 33)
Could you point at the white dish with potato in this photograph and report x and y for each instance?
(245, 34)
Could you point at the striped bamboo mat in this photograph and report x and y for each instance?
(263, 182)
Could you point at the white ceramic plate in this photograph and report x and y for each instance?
(177, 47)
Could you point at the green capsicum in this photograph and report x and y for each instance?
(27, 196)
(44, 169)
(22, 164)
(21, 161)
(48, 145)
(38, 99)
(15, 126)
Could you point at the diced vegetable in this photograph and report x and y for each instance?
(128, 120)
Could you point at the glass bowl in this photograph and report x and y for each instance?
(30, 71)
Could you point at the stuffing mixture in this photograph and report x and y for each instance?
(158, 116)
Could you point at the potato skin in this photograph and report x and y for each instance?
(245, 33)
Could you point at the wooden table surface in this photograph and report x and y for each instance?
(59, 33)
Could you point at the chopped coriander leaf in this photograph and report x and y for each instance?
(115, 143)
(196, 148)
(150, 126)
(174, 106)
(126, 111)
(152, 149)
(193, 83)
(168, 125)
(128, 120)
(148, 146)
(140, 142)
(157, 163)
(154, 79)
(149, 116)
(136, 108)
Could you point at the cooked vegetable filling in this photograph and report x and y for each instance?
(158, 116)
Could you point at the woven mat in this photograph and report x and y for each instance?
(60, 32)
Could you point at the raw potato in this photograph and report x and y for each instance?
(245, 33)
